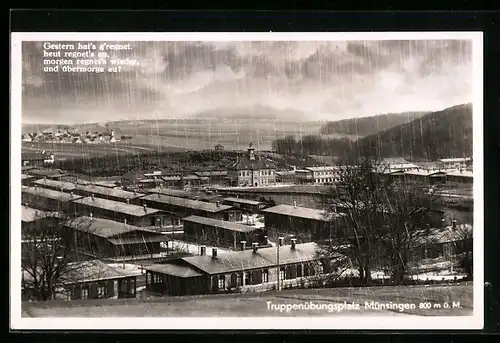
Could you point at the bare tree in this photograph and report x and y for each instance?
(407, 211)
(357, 193)
(48, 260)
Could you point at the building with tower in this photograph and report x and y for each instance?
(252, 171)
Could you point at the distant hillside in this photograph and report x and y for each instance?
(442, 134)
(254, 112)
(369, 125)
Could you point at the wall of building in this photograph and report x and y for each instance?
(302, 227)
(292, 275)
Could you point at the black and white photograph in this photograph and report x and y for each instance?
(246, 181)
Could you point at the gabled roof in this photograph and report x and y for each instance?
(246, 260)
(50, 194)
(106, 191)
(47, 172)
(105, 228)
(173, 269)
(245, 163)
(88, 271)
(323, 168)
(458, 159)
(221, 224)
(295, 211)
(56, 184)
(423, 172)
(169, 191)
(242, 201)
(461, 173)
(186, 203)
(29, 214)
(117, 206)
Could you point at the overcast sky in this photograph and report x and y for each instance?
(324, 80)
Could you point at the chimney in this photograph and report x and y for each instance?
(92, 196)
(25, 204)
(91, 216)
(294, 242)
(294, 203)
(266, 242)
(217, 203)
(203, 250)
(243, 245)
(454, 224)
(125, 221)
(214, 253)
(196, 198)
(62, 189)
(128, 201)
(255, 247)
(145, 207)
(36, 213)
(281, 241)
(71, 194)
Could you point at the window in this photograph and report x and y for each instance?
(299, 270)
(222, 282)
(101, 290)
(282, 274)
(239, 279)
(85, 293)
(265, 276)
(247, 278)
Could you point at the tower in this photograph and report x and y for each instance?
(251, 152)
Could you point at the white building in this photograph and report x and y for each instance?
(323, 175)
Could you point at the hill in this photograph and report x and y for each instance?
(442, 134)
(258, 112)
(369, 125)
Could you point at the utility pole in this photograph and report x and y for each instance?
(278, 245)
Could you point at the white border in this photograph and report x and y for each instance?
(308, 323)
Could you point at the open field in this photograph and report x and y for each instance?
(255, 304)
(69, 150)
(203, 134)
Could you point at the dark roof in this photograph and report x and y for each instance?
(106, 191)
(50, 194)
(220, 224)
(242, 201)
(117, 206)
(171, 178)
(212, 173)
(33, 156)
(173, 269)
(245, 163)
(247, 260)
(169, 191)
(138, 240)
(295, 211)
(56, 184)
(105, 228)
(47, 172)
(187, 203)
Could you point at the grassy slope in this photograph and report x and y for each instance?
(255, 304)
